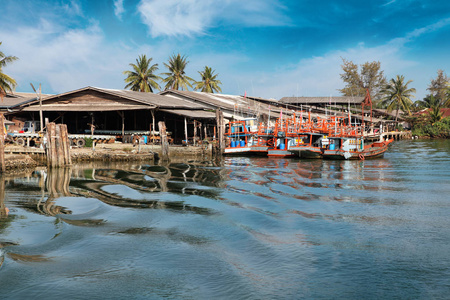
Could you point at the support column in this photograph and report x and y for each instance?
(164, 141)
(58, 145)
(185, 131)
(220, 131)
(2, 144)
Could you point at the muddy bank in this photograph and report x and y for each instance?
(19, 162)
(31, 157)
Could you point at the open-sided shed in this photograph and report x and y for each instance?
(115, 112)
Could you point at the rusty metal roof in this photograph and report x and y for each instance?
(322, 100)
(194, 114)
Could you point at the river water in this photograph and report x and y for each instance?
(241, 228)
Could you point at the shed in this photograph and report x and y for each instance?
(110, 111)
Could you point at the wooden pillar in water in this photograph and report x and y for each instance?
(220, 131)
(58, 153)
(65, 144)
(164, 140)
(2, 144)
(3, 209)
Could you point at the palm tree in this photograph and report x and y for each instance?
(447, 101)
(397, 95)
(427, 102)
(209, 83)
(142, 78)
(176, 77)
(7, 83)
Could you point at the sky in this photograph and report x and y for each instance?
(264, 48)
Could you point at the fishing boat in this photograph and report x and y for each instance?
(308, 145)
(241, 136)
(281, 147)
(354, 148)
(262, 140)
(283, 139)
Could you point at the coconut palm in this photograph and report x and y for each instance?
(143, 77)
(7, 83)
(427, 102)
(176, 78)
(397, 95)
(447, 101)
(209, 83)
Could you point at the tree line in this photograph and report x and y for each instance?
(143, 77)
(396, 94)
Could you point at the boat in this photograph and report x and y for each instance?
(283, 138)
(350, 148)
(241, 136)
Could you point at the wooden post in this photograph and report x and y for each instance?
(51, 134)
(164, 140)
(122, 114)
(3, 209)
(220, 130)
(58, 147)
(185, 131)
(195, 132)
(2, 144)
(58, 153)
(66, 144)
(152, 132)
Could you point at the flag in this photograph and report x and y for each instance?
(245, 94)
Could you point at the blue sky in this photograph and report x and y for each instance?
(267, 48)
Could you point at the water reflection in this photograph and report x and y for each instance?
(245, 228)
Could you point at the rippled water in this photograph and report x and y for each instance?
(243, 228)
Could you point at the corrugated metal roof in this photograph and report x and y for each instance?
(11, 100)
(152, 99)
(322, 100)
(233, 105)
(195, 114)
(149, 99)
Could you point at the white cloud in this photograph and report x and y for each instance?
(320, 76)
(195, 17)
(72, 8)
(67, 59)
(174, 17)
(118, 9)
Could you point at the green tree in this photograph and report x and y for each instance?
(427, 102)
(209, 82)
(176, 78)
(358, 81)
(439, 87)
(447, 101)
(143, 77)
(7, 83)
(397, 95)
